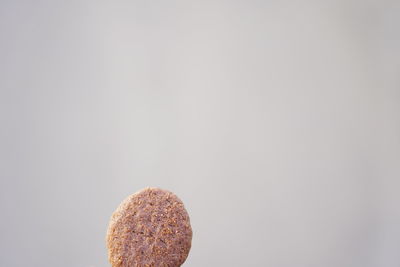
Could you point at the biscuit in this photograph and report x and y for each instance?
(150, 228)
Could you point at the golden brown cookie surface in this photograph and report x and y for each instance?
(150, 228)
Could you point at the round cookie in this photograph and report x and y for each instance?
(150, 228)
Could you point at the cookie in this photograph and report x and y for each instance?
(150, 228)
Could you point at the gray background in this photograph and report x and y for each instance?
(276, 122)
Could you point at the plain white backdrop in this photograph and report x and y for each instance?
(276, 122)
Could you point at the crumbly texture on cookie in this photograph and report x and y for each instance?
(150, 228)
